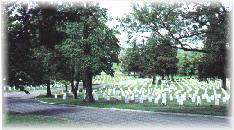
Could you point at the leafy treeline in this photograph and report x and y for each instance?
(48, 42)
(202, 29)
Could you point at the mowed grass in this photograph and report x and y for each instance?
(171, 106)
(17, 119)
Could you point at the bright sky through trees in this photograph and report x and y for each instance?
(118, 8)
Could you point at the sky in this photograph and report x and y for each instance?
(119, 8)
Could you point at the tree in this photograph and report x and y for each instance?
(90, 46)
(132, 60)
(164, 20)
(21, 63)
(188, 62)
(185, 24)
(161, 59)
(48, 36)
(31, 30)
(216, 18)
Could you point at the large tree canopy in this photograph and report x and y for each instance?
(53, 37)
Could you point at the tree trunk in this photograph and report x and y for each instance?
(87, 73)
(88, 85)
(153, 82)
(172, 78)
(66, 87)
(48, 89)
(224, 86)
(168, 77)
(74, 89)
(159, 82)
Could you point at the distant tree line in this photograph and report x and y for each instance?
(175, 28)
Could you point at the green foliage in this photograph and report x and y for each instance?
(100, 41)
(188, 62)
(155, 57)
(217, 20)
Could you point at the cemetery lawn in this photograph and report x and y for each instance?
(17, 119)
(188, 107)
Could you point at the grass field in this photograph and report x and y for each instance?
(16, 119)
(206, 109)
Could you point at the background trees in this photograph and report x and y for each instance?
(188, 62)
(188, 26)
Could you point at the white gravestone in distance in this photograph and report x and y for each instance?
(95, 97)
(217, 101)
(198, 100)
(108, 98)
(141, 100)
(150, 99)
(212, 97)
(164, 101)
(156, 100)
(208, 99)
(64, 96)
(55, 96)
(126, 99)
(171, 97)
(180, 100)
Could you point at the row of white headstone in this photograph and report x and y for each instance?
(180, 100)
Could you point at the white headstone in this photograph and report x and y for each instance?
(55, 96)
(132, 98)
(212, 97)
(193, 98)
(198, 100)
(69, 91)
(203, 96)
(96, 97)
(208, 99)
(9, 88)
(64, 96)
(171, 97)
(141, 100)
(108, 98)
(150, 99)
(216, 101)
(164, 101)
(126, 99)
(180, 101)
(4, 88)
